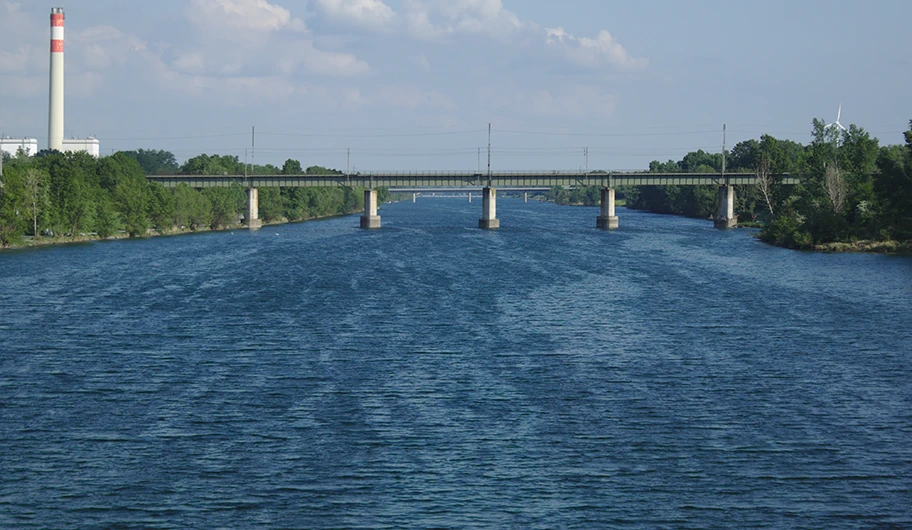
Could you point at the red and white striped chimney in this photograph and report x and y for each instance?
(55, 109)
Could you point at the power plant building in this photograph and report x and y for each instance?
(89, 145)
(11, 146)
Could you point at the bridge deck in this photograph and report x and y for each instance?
(468, 180)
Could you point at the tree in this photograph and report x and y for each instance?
(132, 201)
(893, 188)
(161, 206)
(291, 167)
(12, 204)
(226, 205)
(835, 186)
(106, 219)
(35, 187)
(765, 183)
(154, 162)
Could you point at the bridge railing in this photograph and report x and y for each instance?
(451, 179)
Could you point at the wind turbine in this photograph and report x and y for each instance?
(836, 123)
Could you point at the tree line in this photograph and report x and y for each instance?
(54, 195)
(851, 188)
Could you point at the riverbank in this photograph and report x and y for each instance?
(31, 242)
(879, 247)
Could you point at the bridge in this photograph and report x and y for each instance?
(488, 184)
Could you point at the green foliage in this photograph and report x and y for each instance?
(71, 194)
(192, 209)
(213, 165)
(35, 184)
(850, 187)
(893, 189)
(154, 162)
(272, 207)
(12, 207)
(106, 218)
(292, 167)
(226, 205)
(161, 202)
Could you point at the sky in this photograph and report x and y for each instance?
(413, 84)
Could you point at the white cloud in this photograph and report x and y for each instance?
(368, 13)
(241, 18)
(331, 63)
(604, 50)
(435, 19)
(430, 19)
(250, 38)
(191, 62)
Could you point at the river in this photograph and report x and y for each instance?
(430, 374)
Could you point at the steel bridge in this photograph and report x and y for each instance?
(489, 183)
(514, 180)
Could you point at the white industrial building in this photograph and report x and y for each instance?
(89, 145)
(11, 146)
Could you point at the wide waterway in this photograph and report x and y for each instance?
(430, 374)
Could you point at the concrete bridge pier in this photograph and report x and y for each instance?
(525, 196)
(253, 209)
(725, 217)
(470, 197)
(607, 219)
(370, 219)
(414, 198)
(489, 220)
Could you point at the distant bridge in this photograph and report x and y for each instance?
(515, 180)
(488, 183)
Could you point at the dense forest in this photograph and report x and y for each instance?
(851, 188)
(54, 195)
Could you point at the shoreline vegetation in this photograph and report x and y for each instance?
(47, 197)
(27, 242)
(854, 195)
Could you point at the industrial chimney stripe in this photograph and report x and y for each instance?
(55, 106)
(56, 33)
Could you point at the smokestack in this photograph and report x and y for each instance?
(55, 108)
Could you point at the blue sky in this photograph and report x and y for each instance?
(413, 84)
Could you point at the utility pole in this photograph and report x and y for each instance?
(252, 148)
(489, 154)
(479, 161)
(586, 155)
(348, 155)
(723, 152)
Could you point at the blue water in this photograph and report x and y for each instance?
(430, 374)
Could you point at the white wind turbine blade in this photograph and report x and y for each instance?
(839, 114)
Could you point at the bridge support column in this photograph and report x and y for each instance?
(489, 220)
(525, 196)
(725, 217)
(414, 198)
(370, 219)
(607, 219)
(253, 209)
(470, 197)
